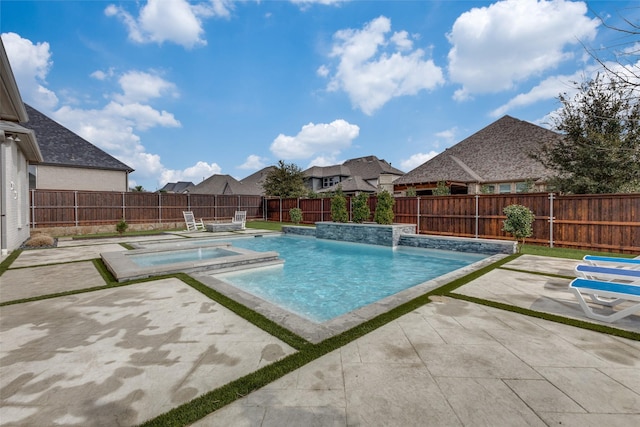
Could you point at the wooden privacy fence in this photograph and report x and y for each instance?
(608, 222)
(52, 208)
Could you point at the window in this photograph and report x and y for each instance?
(33, 173)
(328, 182)
(505, 188)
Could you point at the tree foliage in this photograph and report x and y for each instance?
(441, 189)
(361, 211)
(285, 180)
(600, 151)
(296, 215)
(384, 208)
(339, 211)
(519, 222)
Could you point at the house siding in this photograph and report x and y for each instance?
(67, 178)
(16, 195)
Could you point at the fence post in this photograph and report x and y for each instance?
(160, 207)
(124, 215)
(75, 206)
(551, 218)
(280, 208)
(477, 214)
(33, 207)
(418, 210)
(188, 201)
(322, 209)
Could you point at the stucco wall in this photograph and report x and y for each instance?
(63, 178)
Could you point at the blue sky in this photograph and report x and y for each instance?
(180, 90)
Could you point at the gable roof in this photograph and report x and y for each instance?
(177, 187)
(256, 180)
(351, 185)
(62, 147)
(223, 184)
(327, 171)
(370, 167)
(499, 152)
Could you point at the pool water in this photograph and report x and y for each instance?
(323, 279)
(162, 258)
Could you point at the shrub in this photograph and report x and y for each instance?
(122, 226)
(519, 222)
(384, 208)
(339, 207)
(411, 192)
(361, 211)
(40, 240)
(441, 189)
(296, 215)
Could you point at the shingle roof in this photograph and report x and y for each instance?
(326, 171)
(177, 187)
(256, 180)
(499, 152)
(370, 167)
(223, 184)
(62, 147)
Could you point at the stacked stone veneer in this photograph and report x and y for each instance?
(400, 234)
(373, 234)
(460, 244)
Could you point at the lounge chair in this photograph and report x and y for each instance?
(607, 274)
(612, 261)
(240, 217)
(192, 224)
(618, 292)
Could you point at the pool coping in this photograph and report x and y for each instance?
(123, 269)
(317, 332)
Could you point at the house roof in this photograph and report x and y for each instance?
(351, 185)
(370, 167)
(62, 147)
(12, 111)
(256, 180)
(498, 153)
(223, 184)
(327, 171)
(177, 187)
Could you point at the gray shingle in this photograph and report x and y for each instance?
(62, 147)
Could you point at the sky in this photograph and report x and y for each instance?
(180, 90)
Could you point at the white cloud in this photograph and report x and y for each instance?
(306, 3)
(372, 72)
(175, 21)
(138, 86)
(196, 173)
(448, 134)
(315, 138)
(324, 161)
(416, 160)
(253, 162)
(30, 64)
(497, 46)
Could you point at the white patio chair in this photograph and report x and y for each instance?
(192, 224)
(240, 217)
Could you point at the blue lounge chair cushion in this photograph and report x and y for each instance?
(608, 271)
(612, 287)
(594, 259)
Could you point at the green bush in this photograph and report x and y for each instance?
(519, 222)
(361, 211)
(339, 211)
(411, 192)
(441, 189)
(384, 208)
(122, 226)
(296, 215)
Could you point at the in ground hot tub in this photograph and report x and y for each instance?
(141, 263)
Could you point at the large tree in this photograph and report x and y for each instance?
(600, 151)
(285, 180)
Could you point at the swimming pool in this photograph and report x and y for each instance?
(322, 279)
(162, 258)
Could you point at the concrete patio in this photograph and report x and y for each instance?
(121, 356)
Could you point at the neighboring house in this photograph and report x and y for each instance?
(254, 183)
(223, 184)
(18, 147)
(351, 186)
(361, 171)
(496, 159)
(71, 162)
(179, 187)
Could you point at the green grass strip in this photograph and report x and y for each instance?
(565, 252)
(538, 273)
(4, 265)
(552, 317)
(254, 317)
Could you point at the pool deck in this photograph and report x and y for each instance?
(123, 355)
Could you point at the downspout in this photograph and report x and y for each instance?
(3, 196)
